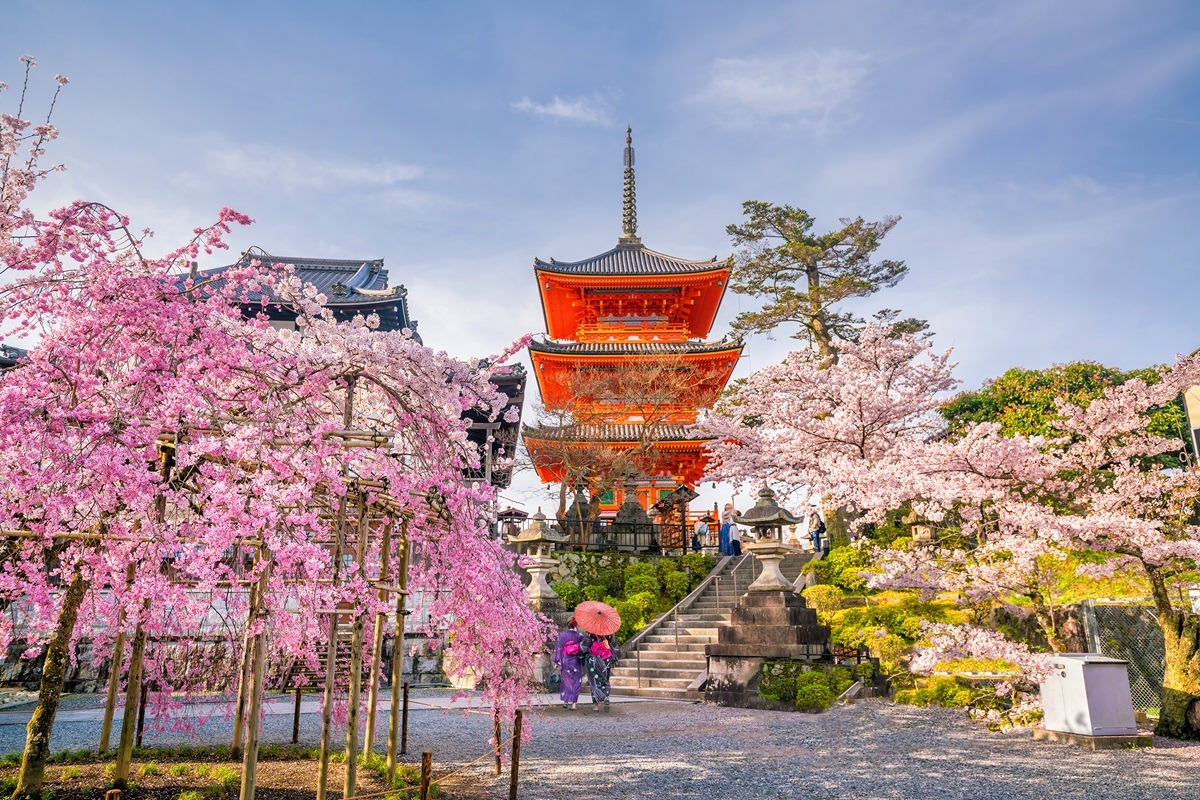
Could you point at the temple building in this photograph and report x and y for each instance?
(635, 311)
(360, 286)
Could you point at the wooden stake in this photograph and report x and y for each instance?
(114, 684)
(239, 712)
(394, 742)
(331, 658)
(258, 666)
(496, 724)
(404, 723)
(356, 648)
(141, 723)
(114, 677)
(426, 773)
(296, 718)
(377, 643)
(133, 686)
(516, 757)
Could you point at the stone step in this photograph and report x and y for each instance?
(684, 638)
(668, 631)
(665, 647)
(631, 666)
(631, 682)
(663, 694)
(687, 674)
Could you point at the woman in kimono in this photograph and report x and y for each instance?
(568, 660)
(599, 654)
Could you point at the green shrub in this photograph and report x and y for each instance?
(779, 686)
(71, 772)
(637, 584)
(568, 592)
(840, 679)
(676, 585)
(664, 567)
(696, 565)
(8, 784)
(595, 591)
(612, 579)
(865, 671)
(813, 697)
(823, 598)
(813, 678)
(638, 568)
(191, 794)
(179, 770)
(148, 769)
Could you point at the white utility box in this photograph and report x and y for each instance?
(1088, 694)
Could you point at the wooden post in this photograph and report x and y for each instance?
(239, 712)
(496, 727)
(356, 665)
(516, 757)
(114, 684)
(133, 686)
(377, 643)
(331, 657)
(404, 724)
(257, 618)
(114, 677)
(296, 718)
(141, 723)
(426, 773)
(393, 742)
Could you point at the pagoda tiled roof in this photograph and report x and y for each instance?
(630, 432)
(350, 286)
(10, 356)
(633, 347)
(628, 259)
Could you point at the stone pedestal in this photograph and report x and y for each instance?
(764, 625)
(770, 554)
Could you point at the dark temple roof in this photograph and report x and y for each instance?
(633, 347)
(10, 356)
(631, 432)
(350, 286)
(628, 259)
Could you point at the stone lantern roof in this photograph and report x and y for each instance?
(538, 532)
(766, 513)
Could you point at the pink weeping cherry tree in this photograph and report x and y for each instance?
(153, 429)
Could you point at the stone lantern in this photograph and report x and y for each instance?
(537, 543)
(766, 521)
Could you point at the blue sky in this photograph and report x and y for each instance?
(1042, 154)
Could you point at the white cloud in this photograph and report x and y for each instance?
(593, 110)
(257, 164)
(809, 88)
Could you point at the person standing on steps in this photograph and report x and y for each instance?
(816, 529)
(568, 661)
(726, 525)
(700, 534)
(735, 540)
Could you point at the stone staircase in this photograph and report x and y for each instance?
(666, 660)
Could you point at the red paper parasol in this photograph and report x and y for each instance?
(598, 618)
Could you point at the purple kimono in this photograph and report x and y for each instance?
(570, 666)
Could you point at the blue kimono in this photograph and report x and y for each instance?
(569, 666)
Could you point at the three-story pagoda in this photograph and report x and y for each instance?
(623, 308)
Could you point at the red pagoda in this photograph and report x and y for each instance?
(628, 306)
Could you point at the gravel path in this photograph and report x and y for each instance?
(867, 751)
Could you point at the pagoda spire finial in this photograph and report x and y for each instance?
(629, 201)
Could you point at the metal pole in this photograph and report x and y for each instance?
(638, 654)
(676, 627)
(516, 757)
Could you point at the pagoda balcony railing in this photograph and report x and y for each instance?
(607, 536)
(665, 332)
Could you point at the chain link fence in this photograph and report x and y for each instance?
(1129, 630)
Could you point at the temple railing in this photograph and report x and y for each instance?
(607, 536)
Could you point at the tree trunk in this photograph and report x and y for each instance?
(37, 733)
(821, 334)
(1179, 717)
